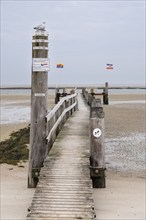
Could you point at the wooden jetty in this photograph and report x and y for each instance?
(64, 190)
(66, 156)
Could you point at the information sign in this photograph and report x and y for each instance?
(41, 64)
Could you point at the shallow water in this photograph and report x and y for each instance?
(52, 91)
(11, 114)
(127, 102)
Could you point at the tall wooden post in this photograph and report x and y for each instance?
(57, 95)
(105, 95)
(83, 92)
(92, 91)
(64, 92)
(39, 108)
(97, 158)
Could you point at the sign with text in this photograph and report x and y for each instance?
(41, 64)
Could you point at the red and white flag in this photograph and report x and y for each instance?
(109, 66)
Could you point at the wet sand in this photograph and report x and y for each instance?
(122, 199)
(15, 196)
(124, 195)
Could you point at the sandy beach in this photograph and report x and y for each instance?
(124, 195)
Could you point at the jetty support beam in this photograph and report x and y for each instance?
(97, 157)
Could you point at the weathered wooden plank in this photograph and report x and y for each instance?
(63, 189)
(68, 187)
(69, 194)
(65, 184)
(60, 209)
(69, 197)
(78, 215)
(64, 203)
(69, 171)
(56, 218)
(66, 181)
(61, 176)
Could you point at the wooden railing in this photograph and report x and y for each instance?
(58, 116)
(41, 142)
(89, 96)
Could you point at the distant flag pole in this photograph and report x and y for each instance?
(109, 66)
(59, 65)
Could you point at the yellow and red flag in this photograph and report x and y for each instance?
(60, 65)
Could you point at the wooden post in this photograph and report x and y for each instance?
(64, 118)
(72, 91)
(76, 100)
(97, 158)
(92, 91)
(105, 95)
(57, 95)
(66, 106)
(83, 92)
(86, 96)
(39, 107)
(90, 98)
(64, 92)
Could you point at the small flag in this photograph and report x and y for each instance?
(109, 66)
(59, 65)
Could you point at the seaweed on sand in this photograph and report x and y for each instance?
(15, 149)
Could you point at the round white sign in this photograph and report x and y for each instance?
(97, 132)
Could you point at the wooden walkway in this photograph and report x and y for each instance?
(64, 190)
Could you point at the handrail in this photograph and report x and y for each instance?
(57, 117)
(52, 112)
(90, 96)
(59, 120)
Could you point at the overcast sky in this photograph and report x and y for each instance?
(84, 35)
